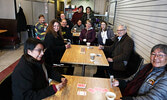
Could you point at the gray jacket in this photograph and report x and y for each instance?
(153, 90)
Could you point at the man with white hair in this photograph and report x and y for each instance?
(118, 53)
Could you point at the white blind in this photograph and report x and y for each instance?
(146, 21)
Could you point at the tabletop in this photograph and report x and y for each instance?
(80, 54)
(2, 31)
(95, 89)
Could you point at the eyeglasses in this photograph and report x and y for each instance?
(40, 50)
(121, 30)
(158, 55)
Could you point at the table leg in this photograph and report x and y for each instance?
(83, 70)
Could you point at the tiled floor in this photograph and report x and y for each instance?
(8, 57)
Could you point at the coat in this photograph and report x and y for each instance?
(120, 51)
(29, 81)
(151, 90)
(89, 35)
(55, 49)
(110, 35)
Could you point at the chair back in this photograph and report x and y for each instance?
(134, 63)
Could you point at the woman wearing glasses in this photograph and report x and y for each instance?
(30, 78)
(150, 82)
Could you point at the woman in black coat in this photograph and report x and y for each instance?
(30, 78)
(54, 43)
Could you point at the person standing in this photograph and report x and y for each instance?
(77, 15)
(89, 15)
(40, 28)
(30, 78)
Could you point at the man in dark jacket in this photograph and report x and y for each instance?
(117, 54)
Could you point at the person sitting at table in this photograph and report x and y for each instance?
(117, 54)
(77, 15)
(88, 34)
(78, 27)
(40, 28)
(30, 78)
(69, 23)
(55, 45)
(150, 82)
(105, 35)
(66, 32)
(89, 15)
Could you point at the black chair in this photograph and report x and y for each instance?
(134, 63)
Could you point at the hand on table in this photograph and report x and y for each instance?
(62, 84)
(115, 82)
(64, 81)
(101, 47)
(68, 46)
(109, 59)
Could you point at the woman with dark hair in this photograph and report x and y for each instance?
(89, 15)
(40, 28)
(54, 43)
(105, 35)
(30, 78)
(88, 34)
(150, 82)
(77, 15)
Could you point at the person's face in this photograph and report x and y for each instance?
(88, 25)
(41, 19)
(80, 10)
(63, 23)
(87, 10)
(121, 31)
(79, 22)
(62, 16)
(158, 58)
(103, 25)
(37, 53)
(56, 26)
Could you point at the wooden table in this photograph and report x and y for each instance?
(70, 91)
(73, 55)
(2, 31)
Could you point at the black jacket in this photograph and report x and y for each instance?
(55, 49)
(29, 81)
(21, 21)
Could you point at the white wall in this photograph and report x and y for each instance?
(7, 9)
(146, 21)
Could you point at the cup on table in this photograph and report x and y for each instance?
(110, 96)
(92, 56)
(111, 79)
(88, 44)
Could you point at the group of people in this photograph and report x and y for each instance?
(30, 78)
(77, 24)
